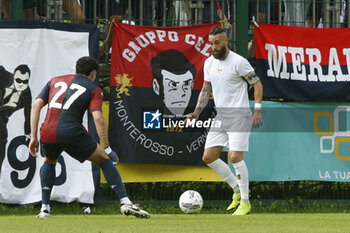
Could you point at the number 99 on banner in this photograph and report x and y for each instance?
(18, 161)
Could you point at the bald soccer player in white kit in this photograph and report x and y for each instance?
(227, 75)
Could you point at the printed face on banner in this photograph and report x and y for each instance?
(15, 95)
(21, 80)
(19, 85)
(177, 90)
(173, 79)
(157, 75)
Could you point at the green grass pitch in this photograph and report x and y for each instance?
(281, 223)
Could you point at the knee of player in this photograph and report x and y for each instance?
(206, 159)
(101, 159)
(99, 156)
(235, 158)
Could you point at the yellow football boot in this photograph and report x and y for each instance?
(243, 209)
(235, 200)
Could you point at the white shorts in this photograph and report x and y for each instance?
(233, 135)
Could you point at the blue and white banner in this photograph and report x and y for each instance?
(43, 50)
(301, 141)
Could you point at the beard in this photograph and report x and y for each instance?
(219, 54)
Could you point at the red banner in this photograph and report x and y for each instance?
(156, 76)
(309, 64)
(135, 46)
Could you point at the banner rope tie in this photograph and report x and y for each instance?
(254, 22)
(109, 33)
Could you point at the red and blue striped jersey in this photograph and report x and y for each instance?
(68, 97)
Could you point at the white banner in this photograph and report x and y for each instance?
(47, 53)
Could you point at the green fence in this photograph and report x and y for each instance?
(290, 195)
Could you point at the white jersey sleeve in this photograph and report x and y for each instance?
(206, 71)
(244, 68)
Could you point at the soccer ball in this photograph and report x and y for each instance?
(190, 202)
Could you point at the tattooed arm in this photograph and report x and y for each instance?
(203, 99)
(258, 95)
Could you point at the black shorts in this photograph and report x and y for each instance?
(80, 149)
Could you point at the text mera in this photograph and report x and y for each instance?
(278, 64)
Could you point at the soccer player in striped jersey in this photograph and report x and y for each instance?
(68, 97)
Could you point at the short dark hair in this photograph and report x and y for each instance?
(173, 61)
(217, 30)
(85, 65)
(23, 69)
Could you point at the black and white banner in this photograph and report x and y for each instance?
(46, 50)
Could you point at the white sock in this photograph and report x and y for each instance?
(45, 207)
(224, 171)
(125, 201)
(243, 180)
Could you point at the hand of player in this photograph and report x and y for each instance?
(192, 116)
(112, 155)
(257, 119)
(34, 147)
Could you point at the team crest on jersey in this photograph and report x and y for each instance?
(123, 82)
(219, 71)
